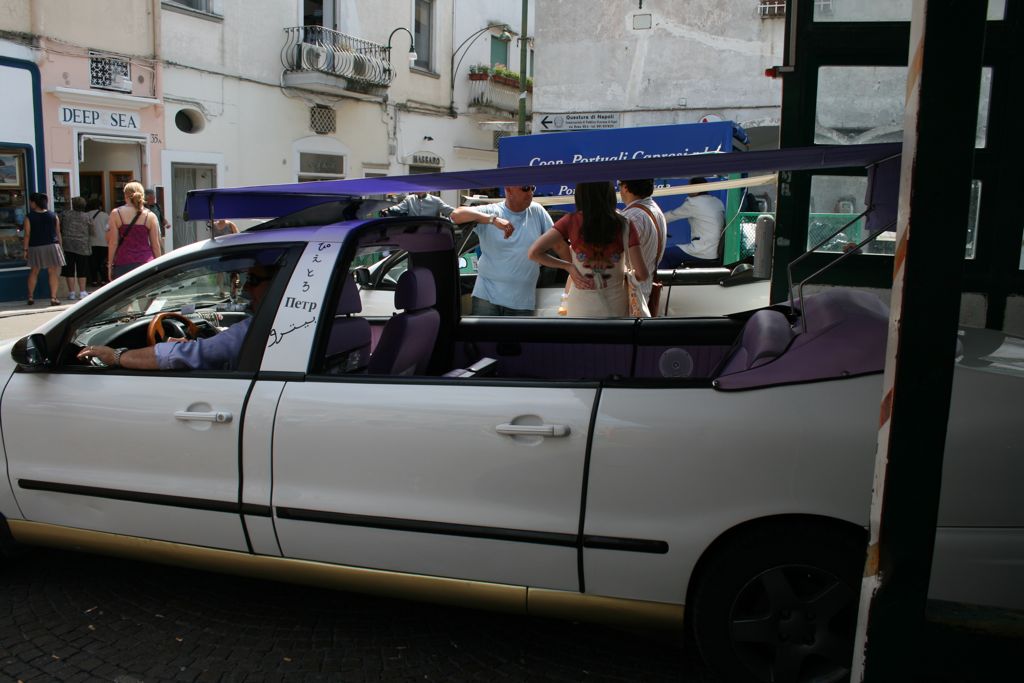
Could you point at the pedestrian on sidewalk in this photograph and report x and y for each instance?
(42, 245)
(130, 243)
(98, 258)
(76, 234)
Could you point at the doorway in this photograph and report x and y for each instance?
(90, 188)
(184, 178)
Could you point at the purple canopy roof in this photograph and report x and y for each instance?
(267, 201)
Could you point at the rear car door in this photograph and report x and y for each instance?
(467, 478)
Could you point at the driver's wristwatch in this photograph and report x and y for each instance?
(117, 356)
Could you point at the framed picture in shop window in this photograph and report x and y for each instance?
(10, 170)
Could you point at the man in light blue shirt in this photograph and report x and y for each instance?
(506, 280)
(219, 352)
(420, 204)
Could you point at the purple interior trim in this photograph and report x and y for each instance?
(705, 360)
(846, 334)
(433, 240)
(553, 361)
(883, 195)
(375, 332)
(764, 338)
(276, 200)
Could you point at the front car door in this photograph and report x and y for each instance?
(153, 454)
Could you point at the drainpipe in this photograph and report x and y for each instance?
(158, 70)
(159, 110)
(522, 73)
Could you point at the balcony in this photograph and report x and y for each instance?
(317, 58)
(490, 93)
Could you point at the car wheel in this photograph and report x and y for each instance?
(779, 603)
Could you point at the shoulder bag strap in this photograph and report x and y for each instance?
(657, 230)
(122, 235)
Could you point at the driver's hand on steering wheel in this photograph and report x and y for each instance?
(178, 340)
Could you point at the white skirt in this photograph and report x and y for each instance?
(609, 302)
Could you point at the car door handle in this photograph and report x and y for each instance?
(213, 416)
(532, 430)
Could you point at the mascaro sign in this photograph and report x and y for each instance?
(98, 118)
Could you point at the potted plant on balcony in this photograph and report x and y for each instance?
(505, 76)
(479, 72)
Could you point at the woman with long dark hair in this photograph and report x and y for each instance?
(595, 235)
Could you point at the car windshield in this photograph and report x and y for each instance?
(213, 283)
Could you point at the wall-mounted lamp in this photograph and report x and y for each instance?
(412, 44)
(505, 35)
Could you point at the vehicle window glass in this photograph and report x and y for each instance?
(209, 290)
(890, 10)
(376, 271)
(865, 104)
(836, 202)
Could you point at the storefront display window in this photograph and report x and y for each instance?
(61, 192)
(13, 204)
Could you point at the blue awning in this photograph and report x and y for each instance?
(268, 201)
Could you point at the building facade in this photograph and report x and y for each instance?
(186, 94)
(655, 62)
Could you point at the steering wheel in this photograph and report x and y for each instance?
(156, 330)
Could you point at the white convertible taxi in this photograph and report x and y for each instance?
(630, 470)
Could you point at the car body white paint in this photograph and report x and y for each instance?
(682, 465)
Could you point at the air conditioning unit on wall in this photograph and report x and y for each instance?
(313, 57)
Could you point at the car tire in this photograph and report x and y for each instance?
(778, 602)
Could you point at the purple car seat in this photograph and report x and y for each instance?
(348, 347)
(408, 338)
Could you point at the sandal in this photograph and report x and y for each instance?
(31, 302)
(55, 302)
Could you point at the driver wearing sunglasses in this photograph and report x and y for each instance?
(506, 282)
(219, 352)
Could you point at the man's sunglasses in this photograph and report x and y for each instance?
(527, 188)
(254, 280)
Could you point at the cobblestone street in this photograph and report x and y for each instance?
(72, 617)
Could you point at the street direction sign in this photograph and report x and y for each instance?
(583, 121)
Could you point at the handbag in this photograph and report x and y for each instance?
(654, 300)
(637, 301)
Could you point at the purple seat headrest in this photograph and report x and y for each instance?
(415, 290)
(764, 338)
(349, 301)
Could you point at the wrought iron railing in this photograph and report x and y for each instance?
(109, 72)
(315, 48)
(490, 93)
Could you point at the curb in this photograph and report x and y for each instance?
(33, 311)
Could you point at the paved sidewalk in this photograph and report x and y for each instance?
(9, 308)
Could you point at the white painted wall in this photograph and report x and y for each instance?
(230, 71)
(698, 57)
(19, 109)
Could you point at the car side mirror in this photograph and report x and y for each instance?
(31, 352)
